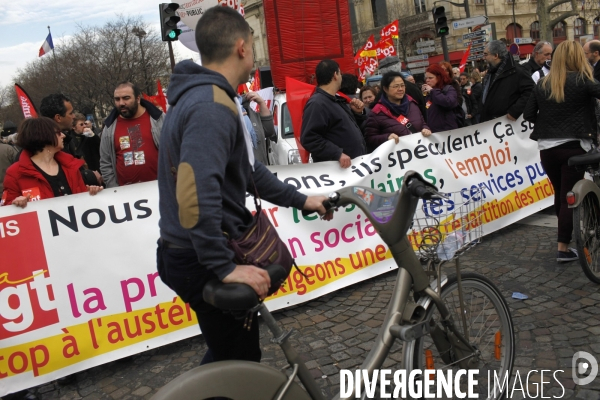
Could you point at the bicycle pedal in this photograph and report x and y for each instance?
(408, 333)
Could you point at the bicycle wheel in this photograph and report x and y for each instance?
(489, 329)
(587, 236)
(236, 380)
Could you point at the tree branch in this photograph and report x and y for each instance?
(562, 16)
(556, 4)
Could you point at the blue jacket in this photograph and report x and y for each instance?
(203, 141)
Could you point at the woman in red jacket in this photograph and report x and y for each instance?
(43, 170)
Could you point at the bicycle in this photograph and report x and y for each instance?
(584, 199)
(457, 322)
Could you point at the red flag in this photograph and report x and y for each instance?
(297, 94)
(242, 89)
(368, 50)
(385, 48)
(255, 87)
(27, 106)
(160, 96)
(390, 30)
(463, 61)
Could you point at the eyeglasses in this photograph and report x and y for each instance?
(397, 86)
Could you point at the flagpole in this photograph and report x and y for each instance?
(55, 62)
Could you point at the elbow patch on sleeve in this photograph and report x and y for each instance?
(187, 196)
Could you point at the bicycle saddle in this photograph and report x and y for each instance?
(591, 158)
(239, 296)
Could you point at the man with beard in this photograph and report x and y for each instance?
(129, 145)
(506, 86)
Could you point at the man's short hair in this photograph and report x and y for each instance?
(217, 31)
(349, 84)
(464, 74)
(54, 104)
(594, 46)
(137, 92)
(37, 133)
(540, 45)
(497, 47)
(325, 71)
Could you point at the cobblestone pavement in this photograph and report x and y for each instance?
(561, 316)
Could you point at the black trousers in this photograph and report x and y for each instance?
(563, 178)
(224, 334)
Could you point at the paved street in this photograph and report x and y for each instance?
(561, 316)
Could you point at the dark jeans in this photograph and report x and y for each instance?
(563, 179)
(224, 334)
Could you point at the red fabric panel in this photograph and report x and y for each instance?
(297, 95)
(302, 33)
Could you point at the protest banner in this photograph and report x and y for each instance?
(78, 280)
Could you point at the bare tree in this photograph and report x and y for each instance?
(544, 10)
(88, 67)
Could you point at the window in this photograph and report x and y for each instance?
(513, 31)
(479, 1)
(288, 129)
(420, 6)
(379, 8)
(596, 27)
(579, 27)
(534, 31)
(559, 30)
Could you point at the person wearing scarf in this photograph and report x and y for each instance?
(385, 121)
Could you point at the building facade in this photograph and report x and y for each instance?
(512, 18)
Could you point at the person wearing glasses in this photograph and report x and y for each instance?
(43, 170)
(394, 113)
(506, 86)
(565, 126)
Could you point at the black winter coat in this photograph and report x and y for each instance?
(531, 66)
(508, 93)
(597, 71)
(476, 92)
(330, 128)
(573, 118)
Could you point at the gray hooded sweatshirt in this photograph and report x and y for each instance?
(202, 143)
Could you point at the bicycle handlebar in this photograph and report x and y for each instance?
(416, 187)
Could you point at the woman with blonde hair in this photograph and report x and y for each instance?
(562, 107)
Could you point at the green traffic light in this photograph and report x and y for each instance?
(173, 34)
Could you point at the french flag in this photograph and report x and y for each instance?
(47, 46)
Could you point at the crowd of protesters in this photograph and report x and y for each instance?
(60, 153)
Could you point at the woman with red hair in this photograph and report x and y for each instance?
(441, 99)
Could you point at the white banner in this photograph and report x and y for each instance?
(190, 12)
(78, 280)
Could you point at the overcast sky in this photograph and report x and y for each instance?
(24, 26)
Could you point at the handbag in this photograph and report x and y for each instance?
(260, 245)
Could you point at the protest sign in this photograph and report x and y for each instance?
(78, 280)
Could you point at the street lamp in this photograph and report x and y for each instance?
(140, 33)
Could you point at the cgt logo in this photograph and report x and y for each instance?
(26, 296)
(585, 368)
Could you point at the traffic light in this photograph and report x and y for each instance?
(440, 21)
(168, 21)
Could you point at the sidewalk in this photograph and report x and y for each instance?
(561, 316)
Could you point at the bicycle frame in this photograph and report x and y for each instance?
(411, 275)
(583, 187)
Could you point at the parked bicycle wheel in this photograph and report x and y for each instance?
(489, 330)
(587, 236)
